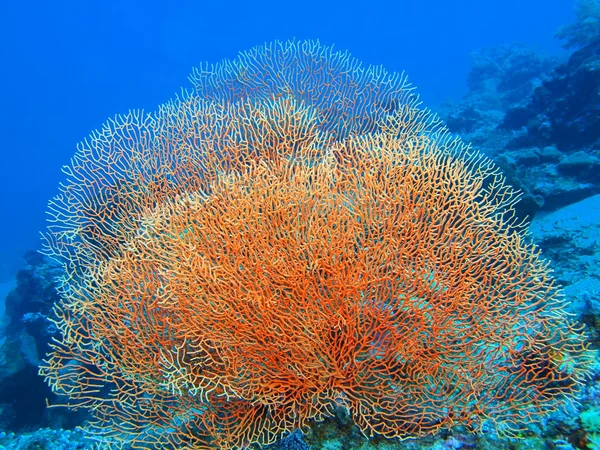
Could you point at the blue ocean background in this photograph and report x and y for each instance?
(69, 66)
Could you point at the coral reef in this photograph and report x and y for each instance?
(538, 118)
(585, 29)
(499, 79)
(296, 236)
(563, 110)
(26, 339)
(47, 439)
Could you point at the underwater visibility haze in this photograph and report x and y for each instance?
(295, 251)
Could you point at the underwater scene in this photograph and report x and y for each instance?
(250, 226)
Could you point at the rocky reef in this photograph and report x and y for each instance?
(538, 116)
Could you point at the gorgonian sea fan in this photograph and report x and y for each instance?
(294, 235)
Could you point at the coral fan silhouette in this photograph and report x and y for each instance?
(295, 235)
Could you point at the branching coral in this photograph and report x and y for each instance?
(293, 236)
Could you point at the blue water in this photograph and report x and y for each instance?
(67, 66)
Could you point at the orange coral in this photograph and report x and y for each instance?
(296, 235)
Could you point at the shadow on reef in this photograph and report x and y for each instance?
(24, 341)
(565, 110)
